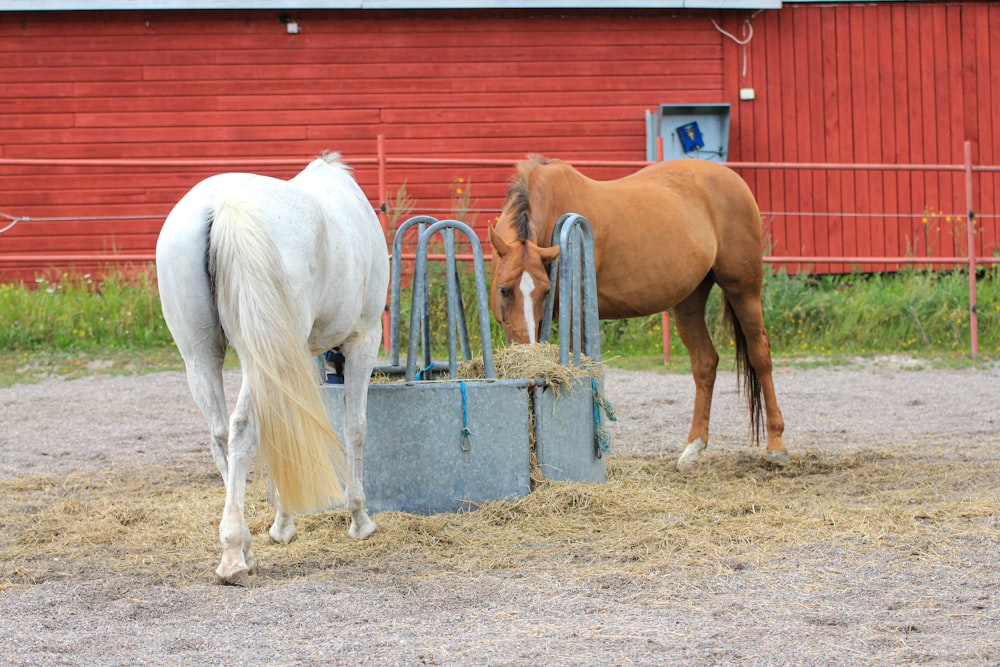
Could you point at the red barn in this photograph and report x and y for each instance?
(108, 116)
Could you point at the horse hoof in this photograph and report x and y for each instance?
(283, 534)
(239, 578)
(689, 459)
(687, 465)
(361, 530)
(778, 457)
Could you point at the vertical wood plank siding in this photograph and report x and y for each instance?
(882, 83)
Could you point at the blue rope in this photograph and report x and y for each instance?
(602, 439)
(466, 433)
(420, 373)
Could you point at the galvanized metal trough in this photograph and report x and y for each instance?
(438, 444)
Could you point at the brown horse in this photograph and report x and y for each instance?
(663, 237)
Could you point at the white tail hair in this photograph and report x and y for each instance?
(304, 458)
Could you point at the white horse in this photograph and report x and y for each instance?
(283, 271)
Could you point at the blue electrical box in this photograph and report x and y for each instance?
(690, 136)
(688, 130)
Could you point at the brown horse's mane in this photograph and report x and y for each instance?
(519, 197)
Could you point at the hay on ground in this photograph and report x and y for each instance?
(161, 525)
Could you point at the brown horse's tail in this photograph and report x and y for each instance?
(746, 376)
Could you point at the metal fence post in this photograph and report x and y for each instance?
(970, 236)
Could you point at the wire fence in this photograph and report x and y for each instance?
(965, 223)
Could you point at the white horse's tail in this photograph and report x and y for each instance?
(304, 458)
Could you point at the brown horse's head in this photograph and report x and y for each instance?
(520, 284)
(520, 265)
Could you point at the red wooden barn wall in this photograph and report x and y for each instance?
(235, 84)
(891, 82)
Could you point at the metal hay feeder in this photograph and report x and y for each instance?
(438, 444)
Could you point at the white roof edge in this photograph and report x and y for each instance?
(103, 5)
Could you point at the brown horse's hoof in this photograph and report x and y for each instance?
(777, 457)
(689, 459)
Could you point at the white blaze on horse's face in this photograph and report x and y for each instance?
(527, 288)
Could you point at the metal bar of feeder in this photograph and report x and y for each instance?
(420, 287)
(578, 316)
(452, 295)
(396, 284)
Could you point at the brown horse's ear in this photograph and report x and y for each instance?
(549, 254)
(498, 243)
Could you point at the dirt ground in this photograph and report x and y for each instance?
(863, 599)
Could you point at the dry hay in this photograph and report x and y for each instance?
(161, 524)
(534, 361)
(519, 362)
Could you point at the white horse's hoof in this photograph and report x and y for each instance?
(689, 459)
(360, 530)
(283, 533)
(778, 457)
(238, 577)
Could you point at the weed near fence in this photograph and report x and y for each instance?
(914, 311)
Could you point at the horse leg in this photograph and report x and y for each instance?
(204, 376)
(283, 529)
(189, 309)
(361, 352)
(689, 317)
(238, 561)
(360, 359)
(749, 311)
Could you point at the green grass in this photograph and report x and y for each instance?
(827, 317)
(71, 325)
(77, 313)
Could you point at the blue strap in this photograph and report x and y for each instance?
(420, 373)
(466, 433)
(602, 439)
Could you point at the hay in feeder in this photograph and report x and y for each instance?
(534, 361)
(538, 361)
(380, 377)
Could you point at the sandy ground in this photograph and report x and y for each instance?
(821, 605)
